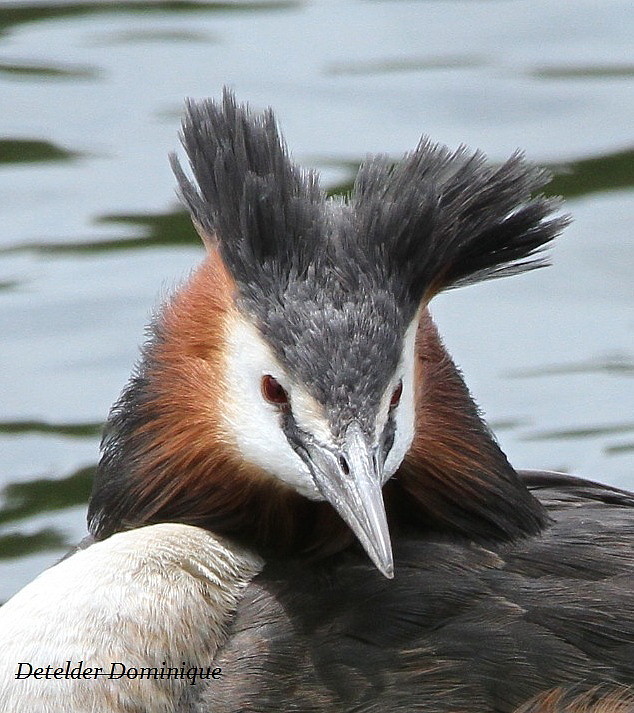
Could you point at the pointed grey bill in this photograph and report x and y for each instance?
(351, 481)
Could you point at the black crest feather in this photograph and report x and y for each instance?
(438, 219)
(263, 209)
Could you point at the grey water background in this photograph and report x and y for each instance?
(91, 233)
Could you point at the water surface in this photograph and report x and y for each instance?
(92, 235)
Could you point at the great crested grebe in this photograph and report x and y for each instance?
(296, 406)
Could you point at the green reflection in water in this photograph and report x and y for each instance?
(343, 188)
(603, 173)
(617, 365)
(509, 424)
(79, 430)
(32, 150)
(619, 448)
(403, 64)
(583, 432)
(172, 228)
(164, 229)
(586, 72)
(12, 15)
(137, 36)
(6, 285)
(19, 545)
(22, 500)
(34, 71)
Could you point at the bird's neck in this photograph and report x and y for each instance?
(455, 478)
(166, 457)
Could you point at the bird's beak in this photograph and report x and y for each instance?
(351, 481)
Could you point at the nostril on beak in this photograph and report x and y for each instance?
(344, 465)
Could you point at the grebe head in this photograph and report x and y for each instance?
(304, 339)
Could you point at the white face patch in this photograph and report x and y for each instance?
(253, 422)
(405, 412)
(255, 425)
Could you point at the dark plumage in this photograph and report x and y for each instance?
(462, 627)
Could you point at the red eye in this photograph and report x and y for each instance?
(273, 391)
(396, 395)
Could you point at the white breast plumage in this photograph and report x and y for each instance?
(157, 597)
